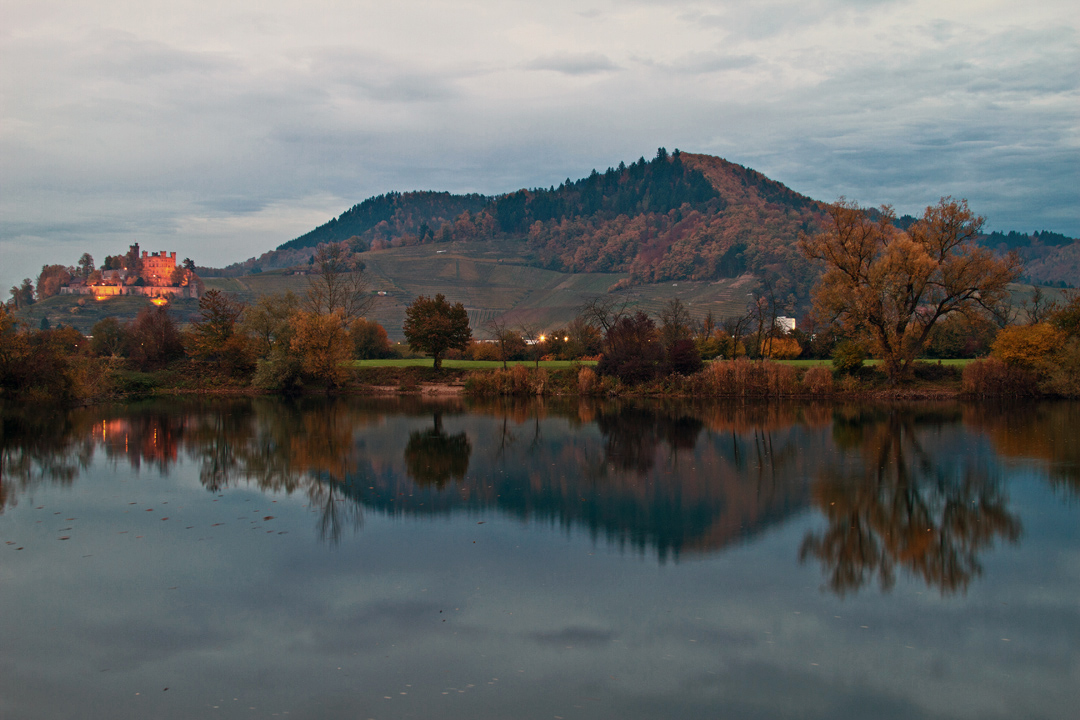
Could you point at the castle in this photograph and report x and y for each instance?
(157, 268)
(157, 272)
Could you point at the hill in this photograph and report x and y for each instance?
(676, 217)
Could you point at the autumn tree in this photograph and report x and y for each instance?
(14, 351)
(676, 323)
(632, 349)
(323, 346)
(584, 339)
(892, 287)
(218, 315)
(22, 295)
(369, 340)
(338, 285)
(107, 337)
(267, 321)
(153, 340)
(86, 264)
(433, 326)
(214, 337)
(51, 279)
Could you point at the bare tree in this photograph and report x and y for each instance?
(503, 336)
(533, 339)
(1039, 307)
(676, 322)
(603, 311)
(736, 326)
(338, 284)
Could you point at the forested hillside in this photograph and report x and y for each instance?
(678, 216)
(393, 216)
(1049, 258)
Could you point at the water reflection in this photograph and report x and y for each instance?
(1045, 433)
(37, 448)
(432, 457)
(910, 500)
(904, 490)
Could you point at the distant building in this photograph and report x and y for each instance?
(157, 268)
(787, 324)
(156, 271)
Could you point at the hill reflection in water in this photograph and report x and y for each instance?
(914, 489)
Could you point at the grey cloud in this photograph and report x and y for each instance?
(234, 205)
(387, 79)
(705, 63)
(575, 637)
(124, 55)
(120, 137)
(573, 63)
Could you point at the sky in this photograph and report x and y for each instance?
(220, 130)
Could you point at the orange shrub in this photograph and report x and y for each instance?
(1029, 346)
(785, 348)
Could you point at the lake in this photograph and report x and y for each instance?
(407, 558)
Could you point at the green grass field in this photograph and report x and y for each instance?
(560, 364)
(470, 364)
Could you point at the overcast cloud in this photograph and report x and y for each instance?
(222, 129)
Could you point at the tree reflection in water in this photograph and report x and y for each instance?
(40, 447)
(903, 490)
(905, 505)
(633, 434)
(432, 457)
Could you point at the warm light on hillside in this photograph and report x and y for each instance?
(159, 301)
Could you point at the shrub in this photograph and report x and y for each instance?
(1028, 346)
(483, 351)
(683, 358)
(783, 348)
(818, 380)
(993, 378)
(236, 357)
(281, 372)
(587, 381)
(518, 380)
(743, 378)
(848, 357)
(935, 371)
(1064, 377)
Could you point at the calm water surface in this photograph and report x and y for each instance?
(406, 559)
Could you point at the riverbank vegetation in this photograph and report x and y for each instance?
(893, 311)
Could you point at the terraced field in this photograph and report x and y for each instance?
(493, 280)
